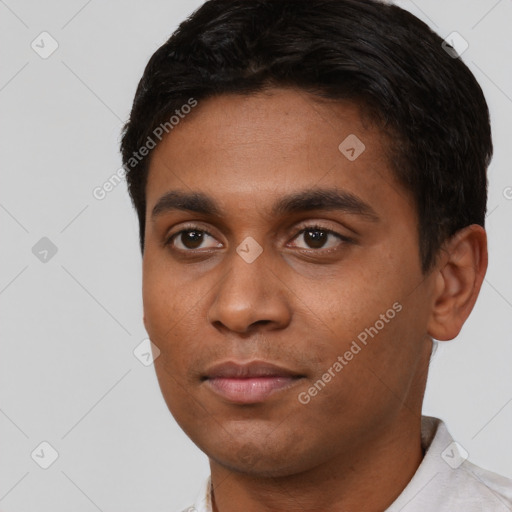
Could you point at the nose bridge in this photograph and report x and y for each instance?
(244, 287)
(249, 293)
(249, 265)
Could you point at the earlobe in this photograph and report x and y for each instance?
(459, 277)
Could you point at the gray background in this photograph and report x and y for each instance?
(70, 324)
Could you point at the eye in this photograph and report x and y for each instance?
(190, 238)
(193, 237)
(317, 236)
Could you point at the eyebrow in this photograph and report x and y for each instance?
(328, 199)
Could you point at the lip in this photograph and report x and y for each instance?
(251, 382)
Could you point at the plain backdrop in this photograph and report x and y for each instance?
(70, 274)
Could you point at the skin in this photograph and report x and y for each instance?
(299, 304)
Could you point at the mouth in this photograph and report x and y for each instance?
(249, 383)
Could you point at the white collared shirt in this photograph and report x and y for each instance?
(444, 481)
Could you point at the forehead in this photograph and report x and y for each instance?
(278, 141)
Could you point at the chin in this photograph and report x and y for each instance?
(271, 458)
(258, 466)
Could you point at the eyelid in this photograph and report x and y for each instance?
(318, 225)
(190, 226)
(341, 228)
(314, 226)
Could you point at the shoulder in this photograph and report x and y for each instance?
(486, 487)
(446, 481)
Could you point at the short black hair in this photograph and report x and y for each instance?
(424, 98)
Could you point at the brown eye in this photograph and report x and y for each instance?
(190, 239)
(316, 237)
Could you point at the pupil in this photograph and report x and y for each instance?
(318, 240)
(192, 239)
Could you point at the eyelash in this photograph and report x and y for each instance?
(313, 227)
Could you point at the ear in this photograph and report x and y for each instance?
(459, 273)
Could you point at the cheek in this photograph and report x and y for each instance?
(168, 319)
(165, 299)
(174, 311)
(377, 326)
(353, 299)
(370, 383)
(164, 314)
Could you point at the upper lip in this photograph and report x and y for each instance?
(247, 370)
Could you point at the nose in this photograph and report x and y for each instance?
(250, 295)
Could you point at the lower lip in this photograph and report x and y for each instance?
(249, 390)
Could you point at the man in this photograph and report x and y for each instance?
(310, 181)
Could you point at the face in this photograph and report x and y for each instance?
(282, 282)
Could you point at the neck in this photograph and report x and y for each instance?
(374, 473)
